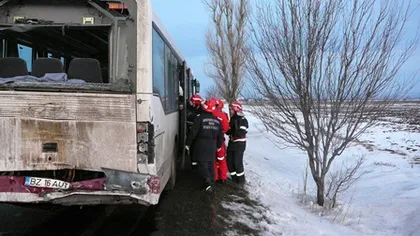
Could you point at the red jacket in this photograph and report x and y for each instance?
(224, 120)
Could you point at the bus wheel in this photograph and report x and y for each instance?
(172, 179)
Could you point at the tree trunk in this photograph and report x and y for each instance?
(230, 103)
(320, 191)
(334, 199)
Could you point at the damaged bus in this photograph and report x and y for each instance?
(89, 102)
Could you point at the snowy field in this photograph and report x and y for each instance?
(385, 201)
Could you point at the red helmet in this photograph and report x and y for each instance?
(213, 99)
(236, 106)
(196, 100)
(220, 103)
(209, 105)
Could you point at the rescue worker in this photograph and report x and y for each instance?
(237, 142)
(206, 136)
(193, 110)
(220, 165)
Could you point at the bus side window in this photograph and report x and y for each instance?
(165, 73)
(175, 84)
(158, 64)
(171, 81)
(25, 53)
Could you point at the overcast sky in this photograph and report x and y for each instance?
(187, 21)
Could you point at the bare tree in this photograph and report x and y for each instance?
(226, 45)
(213, 91)
(322, 67)
(342, 179)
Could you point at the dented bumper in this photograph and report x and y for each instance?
(80, 198)
(117, 188)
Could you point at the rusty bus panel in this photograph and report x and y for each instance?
(51, 131)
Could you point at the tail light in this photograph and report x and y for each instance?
(154, 184)
(145, 144)
(141, 128)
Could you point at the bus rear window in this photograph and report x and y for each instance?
(78, 53)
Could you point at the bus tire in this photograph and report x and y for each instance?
(172, 180)
(182, 162)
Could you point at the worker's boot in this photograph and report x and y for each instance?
(240, 179)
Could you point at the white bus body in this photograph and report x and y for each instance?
(105, 130)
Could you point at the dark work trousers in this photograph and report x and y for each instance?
(206, 170)
(235, 157)
(193, 160)
(191, 152)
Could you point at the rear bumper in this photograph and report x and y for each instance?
(80, 198)
(117, 188)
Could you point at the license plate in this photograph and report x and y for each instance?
(46, 183)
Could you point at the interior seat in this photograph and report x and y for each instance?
(12, 67)
(87, 69)
(42, 66)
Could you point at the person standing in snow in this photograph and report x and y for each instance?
(193, 110)
(206, 136)
(220, 165)
(237, 142)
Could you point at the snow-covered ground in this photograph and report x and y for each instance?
(385, 201)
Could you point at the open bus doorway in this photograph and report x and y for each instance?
(189, 86)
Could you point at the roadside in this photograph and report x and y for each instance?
(14, 220)
(380, 203)
(187, 210)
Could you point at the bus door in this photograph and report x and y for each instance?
(184, 81)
